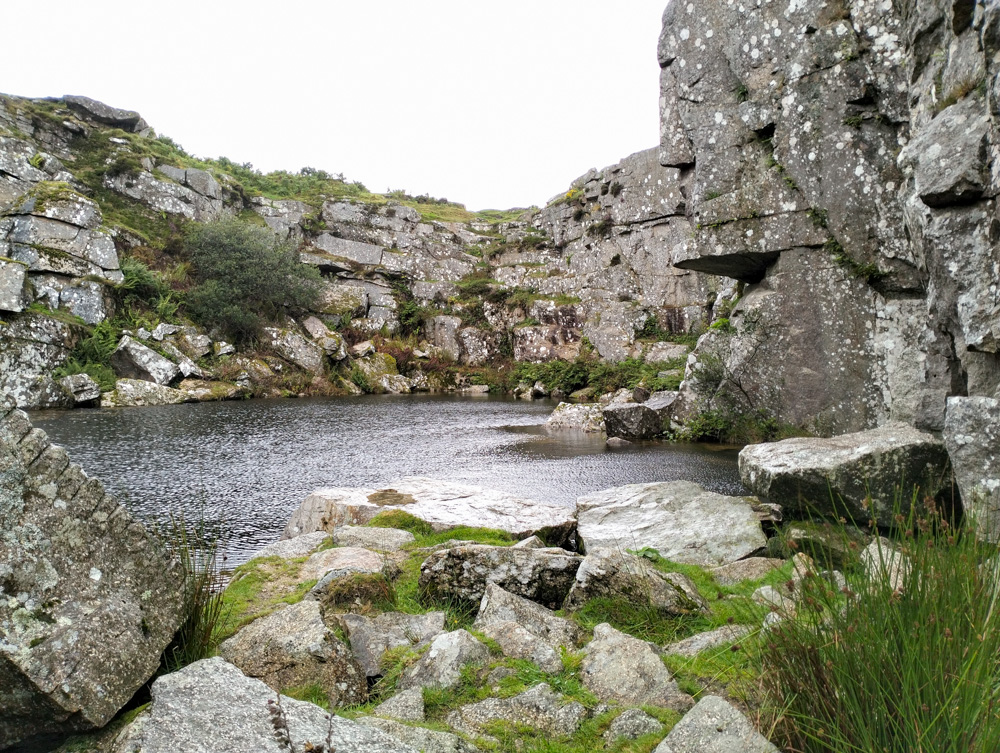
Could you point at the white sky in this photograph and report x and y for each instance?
(493, 105)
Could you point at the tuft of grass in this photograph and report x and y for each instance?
(886, 666)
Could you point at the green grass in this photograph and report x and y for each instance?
(894, 667)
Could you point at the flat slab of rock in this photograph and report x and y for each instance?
(341, 561)
(443, 504)
(424, 740)
(542, 575)
(371, 637)
(136, 393)
(376, 539)
(211, 706)
(300, 546)
(714, 726)
(612, 573)
(540, 708)
(883, 465)
(752, 568)
(723, 636)
(441, 666)
(88, 600)
(586, 417)
(614, 656)
(681, 520)
(291, 647)
(972, 436)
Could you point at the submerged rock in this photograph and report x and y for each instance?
(443, 504)
(679, 519)
(868, 474)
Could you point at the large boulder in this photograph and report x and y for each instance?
(443, 504)
(133, 360)
(441, 665)
(463, 572)
(585, 417)
(134, 393)
(612, 656)
(612, 573)
(295, 348)
(88, 599)
(424, 740)
(679, 519)
(645, 420)
(540, 708)
(866, 475)
(714, 726)
(972, 436)
(32, 346)
(371, 637)
(210, 706)
(291, 647)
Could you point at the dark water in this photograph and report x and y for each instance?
(246, 465)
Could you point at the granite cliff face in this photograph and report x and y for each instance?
(840, 159)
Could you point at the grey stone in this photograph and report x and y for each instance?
(91, 109)
(88, 600)
(441, 665)
(33, 345)
(291, 647)
(300, 546)
(499, 606)
(540, 708)
(163, 330)
(331, 342)
(331, 564)
(187, 367)
(295, 348)
(707, 641)
(635, 421)
(714, 726)
(442, 333)
(885, 565)
(612, 573)
(972, 436)
(371, 637)
(132, 393)
(12, 278)
(406, 706)
(443, 504)
(585, 417)
(194, 342)
(867, 473)
(84, 389)
(377, 539)
(613, 655)
(210, 706)
(517, 642)
(751, 568)
(133, 360)
(631, 725)
(532, 542)
(679, 519)
(463, 572)
(424, 740)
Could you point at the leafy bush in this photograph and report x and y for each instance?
(895, 665)
(246, 278)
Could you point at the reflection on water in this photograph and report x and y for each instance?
(248, 464)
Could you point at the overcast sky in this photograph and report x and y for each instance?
(490, 104)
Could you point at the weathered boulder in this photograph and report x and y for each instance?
(441, 666)
(679, 519)
(714, 726)
(293, 347)
(424, 740)
(612, 573)
(645, 420)
(32, 346)
(712, 639)
(500, 607)
(972, 436)
(291, 647)
(442, 333)
(204, 391)
(12, 278)
(84, 390)
(330, 564)
(376, 539)
(332, 343)
(91, 109)
(751, 568)
(862, 475)
(632, 724)
(463, 572)
(88, 600)
(210, 706)
(540, 708)
(300, 546)
(133, 360)
(137, 393)
(613, 655)
(586, 417)
(443, 504)
(406, 706)
(379, 370)
(371, 637)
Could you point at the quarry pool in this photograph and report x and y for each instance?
(245, 466)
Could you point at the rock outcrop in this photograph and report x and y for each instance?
(88, 600)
